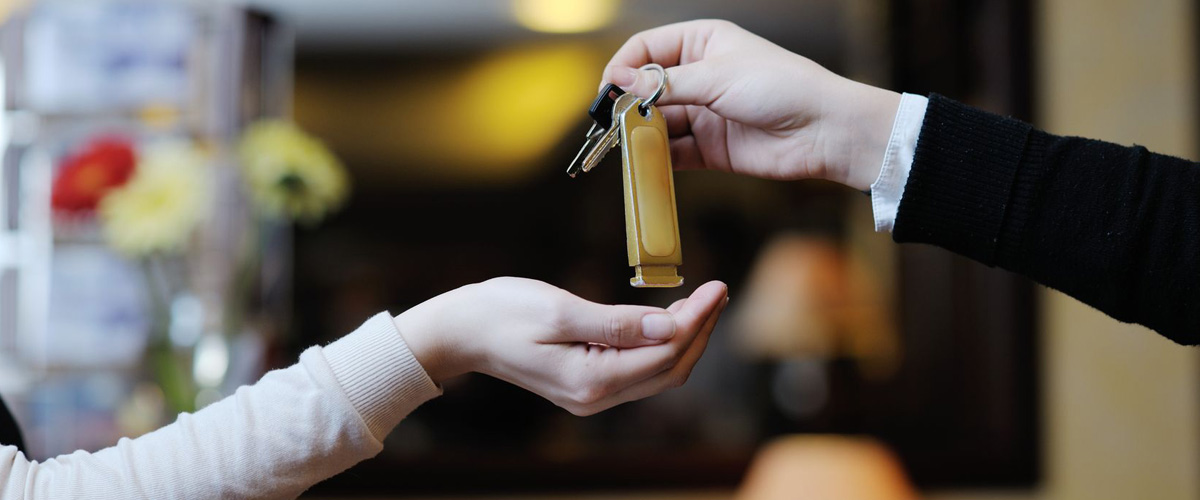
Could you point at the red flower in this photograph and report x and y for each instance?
(85, 177)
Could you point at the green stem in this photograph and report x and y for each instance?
(169, 368)
(245, 279)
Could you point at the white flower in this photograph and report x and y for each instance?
(162, 204)
(291, 173)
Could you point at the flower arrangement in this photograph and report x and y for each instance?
(152, 205)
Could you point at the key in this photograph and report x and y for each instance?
(651, 220)
(601, 112)
(602, 108)
(590, 140)
(611, 137)
(606, 141)
(602, 115)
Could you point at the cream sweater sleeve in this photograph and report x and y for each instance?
(274, 439)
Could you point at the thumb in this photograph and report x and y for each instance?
(696, 83)
(619, 326)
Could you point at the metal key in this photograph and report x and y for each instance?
(610, 138)
(593, 134)
(599, 138)
(651, 219)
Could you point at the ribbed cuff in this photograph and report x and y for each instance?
(960, 187)
(379, 374)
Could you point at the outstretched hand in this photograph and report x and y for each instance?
(583, 356)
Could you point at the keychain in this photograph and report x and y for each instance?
(651, 221)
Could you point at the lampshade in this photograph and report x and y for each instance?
(825, 468)
(811, 297)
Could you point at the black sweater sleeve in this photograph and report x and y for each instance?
(1115, 227)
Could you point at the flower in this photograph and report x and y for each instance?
(290, 173)
(85, 177)
(161, 205)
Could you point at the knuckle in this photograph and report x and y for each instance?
(558, 314)
(562, 310)
(642, 35)
(616, 329)
(591, 394)
(588, 396)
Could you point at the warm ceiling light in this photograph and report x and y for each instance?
(564, 16)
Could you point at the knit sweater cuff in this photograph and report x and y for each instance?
(962, 180)
(379, 374)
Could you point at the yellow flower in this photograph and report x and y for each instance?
(291, 173)
(162, 204)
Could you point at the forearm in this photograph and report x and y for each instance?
(294, 428)
(1115, 227)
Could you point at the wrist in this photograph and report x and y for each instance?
(436, 350)
(865, 128)
(378, 373)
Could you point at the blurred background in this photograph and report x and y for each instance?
(192, 193)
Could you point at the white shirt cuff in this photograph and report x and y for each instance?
(379, 374)
(897, 161)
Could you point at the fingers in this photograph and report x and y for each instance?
(695, 131)
(700, 305)
(678, 47)
(670, 378)
(678, 121)
(615, 326)
(621, 367)
(669, 45)
(616, 369)
(597, 373)
(582, 321)
(685, 154)
(698, 83)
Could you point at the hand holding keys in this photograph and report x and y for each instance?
(651, 222)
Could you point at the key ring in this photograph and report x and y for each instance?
(644, 107)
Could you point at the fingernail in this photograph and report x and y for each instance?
(658, 326)
(624, 77)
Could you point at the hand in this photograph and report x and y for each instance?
(736, 102)
(547, 341)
